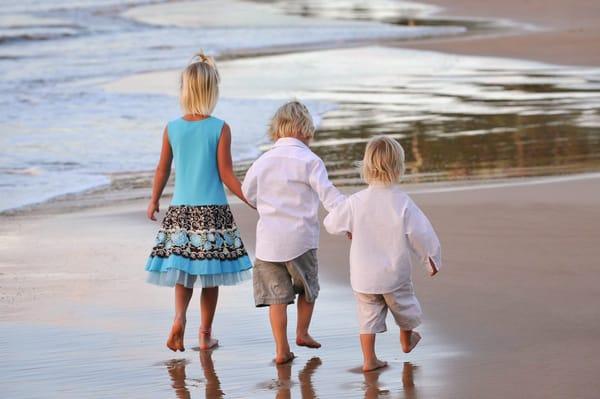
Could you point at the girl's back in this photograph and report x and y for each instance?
(198, 243)
(194, 145)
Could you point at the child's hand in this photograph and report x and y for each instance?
(349, 235)
(153, 208)
(433, 270)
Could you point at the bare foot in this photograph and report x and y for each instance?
(282, 359)
(374, 365)
(308, 341)
(415, 337)
(175, 340)
(206, 341)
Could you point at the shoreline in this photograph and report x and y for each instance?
(484, 27)
(109, 196)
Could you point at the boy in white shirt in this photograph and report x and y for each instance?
(286, 185)
(389, 233)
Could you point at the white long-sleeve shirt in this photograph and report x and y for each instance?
(389, 234)
(286, 185)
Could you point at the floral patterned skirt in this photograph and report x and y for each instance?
(198, 246)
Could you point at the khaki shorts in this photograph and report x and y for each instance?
(372, 310)
(279, 282)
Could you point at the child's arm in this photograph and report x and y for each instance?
(423, 239)
(249, 186)
(163, 171)
(339, 220)
(329, 196)
(225, 164)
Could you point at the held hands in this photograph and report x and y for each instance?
(153, 208)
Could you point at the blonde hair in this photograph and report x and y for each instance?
(292, 120)
(200, 86)
(383, 161)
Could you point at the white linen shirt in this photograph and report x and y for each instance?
(285, 185)
(389, 234)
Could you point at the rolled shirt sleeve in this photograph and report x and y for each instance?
(422, 237)
(328, 194)
(339, 220)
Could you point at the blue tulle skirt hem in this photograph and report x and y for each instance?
(191, 273)
(175, 276)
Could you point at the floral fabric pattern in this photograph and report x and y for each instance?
(199, 232)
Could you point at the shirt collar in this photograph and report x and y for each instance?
(380, 185)
(289, 141)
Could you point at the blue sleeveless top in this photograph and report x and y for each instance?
(194, 146)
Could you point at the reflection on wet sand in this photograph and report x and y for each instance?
(212, 383)
(180, 382)
(373, 389)
(305, 377)
(176, 369)
(389, 12)
(481, 134)
(457, 117)
(283, 383)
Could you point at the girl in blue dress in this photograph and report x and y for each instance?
(198, 244)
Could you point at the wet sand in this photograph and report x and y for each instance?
(458, 117)
(562, 32)
(511, 315)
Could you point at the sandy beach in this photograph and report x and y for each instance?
(501, 131)
(561, 32)
(511, 315)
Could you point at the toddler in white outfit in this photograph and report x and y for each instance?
(389, 234)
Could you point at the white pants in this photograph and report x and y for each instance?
(372, 310)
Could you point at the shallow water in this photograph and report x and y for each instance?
(457, 117)
(60, 132)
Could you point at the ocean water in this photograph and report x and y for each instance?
(60, 132)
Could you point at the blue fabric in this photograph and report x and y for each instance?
(175, 276)
(197, 266)
(194, 146)
(197, 182)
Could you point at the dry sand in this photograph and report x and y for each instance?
(569, 31)
(511, 315)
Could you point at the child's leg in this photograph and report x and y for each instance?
(304, 272)
(367, 344)
(371, 310)
(278, 318)
(409, 339)
(208, 305)
(407, 313)
(182, 300)
(305, 311)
